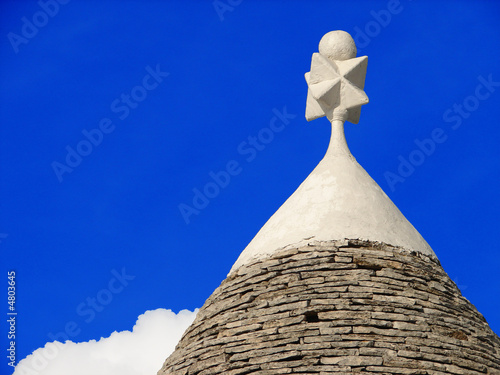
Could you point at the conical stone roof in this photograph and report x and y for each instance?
(338, 308)
(337, 281)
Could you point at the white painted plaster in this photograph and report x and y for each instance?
(337, 45)
(336, 79)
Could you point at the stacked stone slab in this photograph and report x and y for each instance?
(338, 307)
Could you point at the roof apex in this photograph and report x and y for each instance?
(338, 200)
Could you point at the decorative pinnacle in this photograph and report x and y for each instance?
(336, 80)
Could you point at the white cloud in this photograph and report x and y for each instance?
(140, 352)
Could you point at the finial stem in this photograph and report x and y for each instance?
(340, 114)
(338, 145)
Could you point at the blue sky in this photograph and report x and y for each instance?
(161, 96)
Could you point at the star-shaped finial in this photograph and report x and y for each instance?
(336, 79)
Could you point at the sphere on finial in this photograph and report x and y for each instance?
(337, 45)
